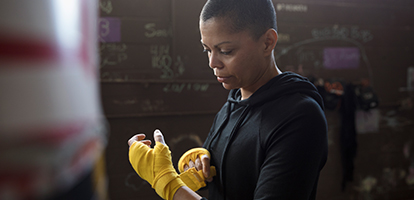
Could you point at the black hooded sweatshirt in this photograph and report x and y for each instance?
(271, 145)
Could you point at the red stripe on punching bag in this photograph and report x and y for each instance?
(14, 48)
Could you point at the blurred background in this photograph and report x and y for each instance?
(154, 75)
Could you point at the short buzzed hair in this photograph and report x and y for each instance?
(256, 16)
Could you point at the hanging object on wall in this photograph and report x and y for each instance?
(367, 121)
(331, 92)
(366, 97)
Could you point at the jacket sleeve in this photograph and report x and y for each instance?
(295, 152)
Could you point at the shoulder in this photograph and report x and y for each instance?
(291, 104)
(291, 115)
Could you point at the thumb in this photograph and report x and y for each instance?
(158, 137)
(205, 161)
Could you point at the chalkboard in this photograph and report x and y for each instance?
(154, 74)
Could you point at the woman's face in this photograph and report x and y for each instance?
(236, 58)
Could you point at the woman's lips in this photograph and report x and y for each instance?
(222, 79)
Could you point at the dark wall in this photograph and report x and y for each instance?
(154, 75)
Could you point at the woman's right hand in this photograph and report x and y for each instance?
(200, 164)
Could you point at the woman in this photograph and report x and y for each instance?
(269, 141)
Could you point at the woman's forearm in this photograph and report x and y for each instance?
(185, 193)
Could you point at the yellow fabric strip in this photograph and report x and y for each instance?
(155, 166)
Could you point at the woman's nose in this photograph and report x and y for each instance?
(214, 60)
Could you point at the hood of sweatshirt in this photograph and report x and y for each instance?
(283, 84)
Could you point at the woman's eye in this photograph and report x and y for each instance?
(206, 50)
(225, 52)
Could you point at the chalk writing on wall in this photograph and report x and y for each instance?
(146, 105)
(114, 76)
(126, 102)
(106, 6)
(283, 37)
(161, 59)
(306, 55)
(115, 53)
(180, 87)
(291, 7)
(151, 31)
(343, 32)
(133, 181)
(113, 47)
(192, 137)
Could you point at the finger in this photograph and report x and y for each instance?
(136, 138)
(190, 164)
(158, 137)
(146, 142)
(205, 160)
(198, 164)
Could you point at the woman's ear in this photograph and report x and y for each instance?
(270, 41)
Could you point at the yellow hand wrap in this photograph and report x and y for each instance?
(155, 166)
(192, 178)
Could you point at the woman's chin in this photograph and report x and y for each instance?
(228, 86)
